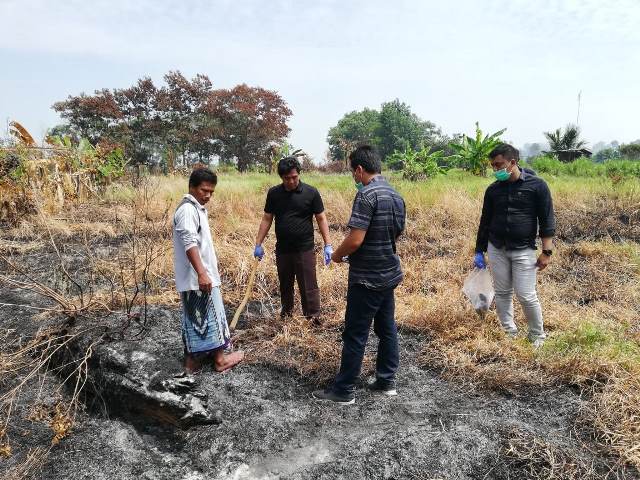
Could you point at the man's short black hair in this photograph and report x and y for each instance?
(287, 164)
(201, 175)
(366, 156)
(506, 150)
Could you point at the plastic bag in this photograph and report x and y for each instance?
(478, 288)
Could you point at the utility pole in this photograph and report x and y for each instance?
(578, 116)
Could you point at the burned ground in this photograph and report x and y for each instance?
(472, 404)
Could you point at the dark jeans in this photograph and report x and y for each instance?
(300, 266)
(363, 306)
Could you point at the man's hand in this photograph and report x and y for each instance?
(258, 252)
(328, 251)
(204, 282)
(336, 258)
(543, 261)
(478, 260)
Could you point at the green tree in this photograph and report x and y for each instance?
(473, 153)
(352, 129)
(401, 129)
(569, 139)
(607, 154)
(393, 128)
(630, 151)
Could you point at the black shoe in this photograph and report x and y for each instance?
(330, 395)
(381, 389)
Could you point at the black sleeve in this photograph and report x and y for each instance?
(544, 210)
(269, 204)
(317, 205)
(482, 239)
(399, 218)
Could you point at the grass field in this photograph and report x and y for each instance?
(590, 293)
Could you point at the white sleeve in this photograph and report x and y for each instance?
(186, 220)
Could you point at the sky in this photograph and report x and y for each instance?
(512, 64)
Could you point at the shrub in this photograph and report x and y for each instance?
(547, 164)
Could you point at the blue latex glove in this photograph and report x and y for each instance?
(258, 252)
(328, 251)
(478, 260)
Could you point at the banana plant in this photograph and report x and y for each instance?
(473, 153)
(419, 164)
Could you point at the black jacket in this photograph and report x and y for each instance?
(514, 213)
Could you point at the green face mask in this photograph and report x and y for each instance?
(359, 185)
(502, 175)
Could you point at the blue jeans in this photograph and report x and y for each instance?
(363, 307)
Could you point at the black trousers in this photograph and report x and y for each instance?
(300, 266)
(363, 307)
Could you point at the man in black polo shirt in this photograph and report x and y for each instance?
(294, 204)
(517, 207)
(377, 220)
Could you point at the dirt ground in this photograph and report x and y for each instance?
(272, 429)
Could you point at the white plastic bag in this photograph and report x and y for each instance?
(478, 288)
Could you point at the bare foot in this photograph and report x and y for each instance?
(224, 361)
(191, 365)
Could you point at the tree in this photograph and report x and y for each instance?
(187, 127)
(473, 153)
(393, 128)
(183, 117)
(251, 118)
(401, 129)
(630, 151)
(567, 140)
(90, 117)
(607, 154)
(352, 129)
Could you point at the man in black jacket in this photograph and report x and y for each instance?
(517, 207)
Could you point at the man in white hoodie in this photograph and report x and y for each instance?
(205, 332)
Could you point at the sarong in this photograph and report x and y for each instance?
(204, 322)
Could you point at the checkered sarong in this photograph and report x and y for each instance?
(204, 322)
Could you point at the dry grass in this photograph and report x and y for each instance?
(533, 457)
(590, 293)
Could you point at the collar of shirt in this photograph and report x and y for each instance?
(377, 178)
(193, 200)
(524, 175)
(298, 189)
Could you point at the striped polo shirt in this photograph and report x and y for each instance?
(379, 210)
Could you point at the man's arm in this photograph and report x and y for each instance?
(482, 238)
(265, 225)
(546, 223)
(349, 245)
(323, 226)
(204, 282)
(186, 228)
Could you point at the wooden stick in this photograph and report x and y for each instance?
(247, 294)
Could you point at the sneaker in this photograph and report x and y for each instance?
(330, 395)
(537, 343)
(380, 389)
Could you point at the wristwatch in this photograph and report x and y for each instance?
(548, 253)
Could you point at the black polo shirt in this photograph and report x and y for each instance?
(515, 213)
(294, 213)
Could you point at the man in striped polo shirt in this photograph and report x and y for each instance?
(377, 220)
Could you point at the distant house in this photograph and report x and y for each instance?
(569, 155)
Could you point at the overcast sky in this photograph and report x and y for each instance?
(506, 63)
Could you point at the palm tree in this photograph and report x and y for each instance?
(560, 141)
